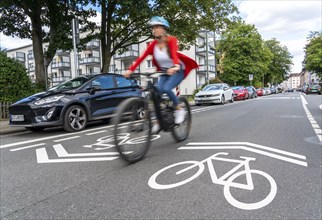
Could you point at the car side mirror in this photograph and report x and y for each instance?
(94, 88)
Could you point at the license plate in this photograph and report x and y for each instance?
(313, 90)
(17, 118)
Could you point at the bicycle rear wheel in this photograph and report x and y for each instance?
(181, 132)
(136, 128)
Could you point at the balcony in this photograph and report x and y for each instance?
(203, 69)
(60, 65)
(128, 55)
(30, 56)
(201, 50)
(93, 45)
(90, 61)
(62, 53)
(57, 80)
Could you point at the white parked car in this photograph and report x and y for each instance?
(215, 93)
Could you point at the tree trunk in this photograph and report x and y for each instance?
(105, 36)
(37, 47)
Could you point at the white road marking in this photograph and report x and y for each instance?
(52, 137)
(315, 126)
(97, 132)
(26, 147)
(320, 107)
(42, 157)
(281, 97)
(252, 145)
(61, 152)
(66, 139)
(290, 160)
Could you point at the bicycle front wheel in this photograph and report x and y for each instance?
(132, 129)
(181, 131)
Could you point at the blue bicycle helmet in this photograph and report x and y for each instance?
(157, 20)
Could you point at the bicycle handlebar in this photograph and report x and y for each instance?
(149, 74)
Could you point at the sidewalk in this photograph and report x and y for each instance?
(6, 129)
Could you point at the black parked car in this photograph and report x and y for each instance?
(73, 103)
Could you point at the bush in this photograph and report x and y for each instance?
(14, 81)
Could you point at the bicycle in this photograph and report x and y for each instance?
(227, 179)
(134, 115)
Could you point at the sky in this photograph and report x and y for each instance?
(289, 21)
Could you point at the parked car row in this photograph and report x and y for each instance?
(73, 103)
(215, 93)
(222, 92)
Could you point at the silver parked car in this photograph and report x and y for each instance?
(215, 93)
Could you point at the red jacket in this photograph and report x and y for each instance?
(174, 54)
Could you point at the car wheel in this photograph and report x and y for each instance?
(34, 129)
(75, 118)
(140, 112)
(232, 99)
(222, 100)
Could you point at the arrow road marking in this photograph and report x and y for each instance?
(42, 157)
(61, 152)
(243, 146)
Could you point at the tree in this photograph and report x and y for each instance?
(124, 24)
(313, 53)
(14, 81)
(280, 65)
(45, 22)
(242, 52)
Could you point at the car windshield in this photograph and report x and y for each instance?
(71, 84)
(237, 88)
(314, 85)
(212, 87)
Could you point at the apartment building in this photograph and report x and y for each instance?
(62, 66)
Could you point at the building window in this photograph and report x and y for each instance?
(149, 64)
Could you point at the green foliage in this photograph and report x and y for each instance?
(14, 81)
(124, 25)
(280, 64)
(242, 53)
(313, 54)
(44, 21)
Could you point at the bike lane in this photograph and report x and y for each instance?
(112, 189)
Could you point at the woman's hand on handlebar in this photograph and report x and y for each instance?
(127, 74)
(173, 70)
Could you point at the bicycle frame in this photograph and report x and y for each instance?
(223, 179)
(156, 97)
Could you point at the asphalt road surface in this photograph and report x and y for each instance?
(254, 159)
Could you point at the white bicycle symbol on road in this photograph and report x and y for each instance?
(227, 180)
(107, 142)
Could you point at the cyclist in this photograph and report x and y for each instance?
(165, 57)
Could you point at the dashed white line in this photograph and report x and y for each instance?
(98, 132)
(65, 139)
(315, 126)
(26, 147)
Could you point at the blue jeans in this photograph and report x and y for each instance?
(168, 82)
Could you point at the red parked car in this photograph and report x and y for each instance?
(259, 92)
(240, 93)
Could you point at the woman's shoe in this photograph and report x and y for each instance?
(155, 128)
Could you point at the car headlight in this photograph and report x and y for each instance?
(48, 100)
